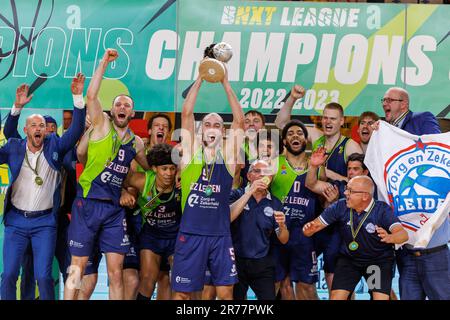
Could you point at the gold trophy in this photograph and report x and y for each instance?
(211, 67)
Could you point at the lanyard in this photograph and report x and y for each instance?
(355, 233)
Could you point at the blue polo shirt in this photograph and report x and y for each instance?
(252, 230)
(370, 245)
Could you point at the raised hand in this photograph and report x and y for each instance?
(297, 92)
(318, 157)
(258, 185)
(225, 76)
(22, 97)
(331, 193)
(110, 55)
(77, 85)
(376, 125)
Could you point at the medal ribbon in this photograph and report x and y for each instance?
(207, 171)
(37, 162)
(334, 148)
(354, 234)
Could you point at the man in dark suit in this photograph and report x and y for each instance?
(33, 199)
(423, 273)
(396, 111)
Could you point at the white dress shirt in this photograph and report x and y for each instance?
(26, 194)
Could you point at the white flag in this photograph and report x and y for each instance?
(412, 174)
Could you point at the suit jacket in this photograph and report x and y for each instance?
(11, 124)
(420, 123)
(13, 154)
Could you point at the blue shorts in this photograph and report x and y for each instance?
(298, 260)
(97, 221)
(132, 258)
(194, 254)
(93, 261)
(328, 242)
(160, 246)
(208, 280)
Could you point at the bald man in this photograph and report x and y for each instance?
(207, 169)
(418, 276)
(368, 229)
(396, 111)
(33, 199)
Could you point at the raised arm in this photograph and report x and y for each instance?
(94, 107)
(188, 122)
(238, 206)
(76, 128)
(284, 115)
(140, 154)
(12, 121)
(236, 134)
(317, 159)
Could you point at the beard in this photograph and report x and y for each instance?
(295, 152)
(123, 124)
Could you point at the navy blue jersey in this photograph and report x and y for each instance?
(370, 245)
(299, 203)
(252, 229)
(205, 200)
(106, 168)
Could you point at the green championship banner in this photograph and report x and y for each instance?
(345, 52)
(48, 42)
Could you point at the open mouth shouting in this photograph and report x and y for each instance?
(160, 137)
(387, 113)
(328, 128)
(38, 139)
(365, 134)
(121, 116)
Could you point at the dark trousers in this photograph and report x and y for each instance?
(258, 274)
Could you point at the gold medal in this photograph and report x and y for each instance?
(353, 246)
(38, 181)
(266, 180)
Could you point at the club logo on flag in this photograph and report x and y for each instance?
(418, 179)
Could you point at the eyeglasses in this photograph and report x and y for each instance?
(389, 100)
(350, 191)
(366, 123)
(264, 172)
